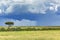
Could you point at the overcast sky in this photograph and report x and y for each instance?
(30, 12)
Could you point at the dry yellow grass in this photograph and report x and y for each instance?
(31, 35)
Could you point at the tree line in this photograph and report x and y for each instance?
(16, 28)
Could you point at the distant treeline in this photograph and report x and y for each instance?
(30, 28)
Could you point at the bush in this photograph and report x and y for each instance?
(2, 29)
(30, 29)
(27, 28)
(18, 29)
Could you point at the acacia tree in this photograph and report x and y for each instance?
(9, 23)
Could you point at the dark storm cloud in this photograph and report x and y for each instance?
(20, 13)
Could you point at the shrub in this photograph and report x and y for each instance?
(2, 29)
(18, 29)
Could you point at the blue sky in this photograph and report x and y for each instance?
(30, 12)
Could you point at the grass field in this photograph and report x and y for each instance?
(31, 35)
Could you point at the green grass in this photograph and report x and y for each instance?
(30, 35)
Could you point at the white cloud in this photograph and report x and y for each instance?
(34, 3)
(9, 9)
(18, 0)
(52, 8)
(23, 22)
(0, 11)
(34, 6)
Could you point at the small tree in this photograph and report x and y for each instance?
(9, 23)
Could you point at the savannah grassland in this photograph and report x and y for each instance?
(30, 35)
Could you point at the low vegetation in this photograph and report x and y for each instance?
(28, 28)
